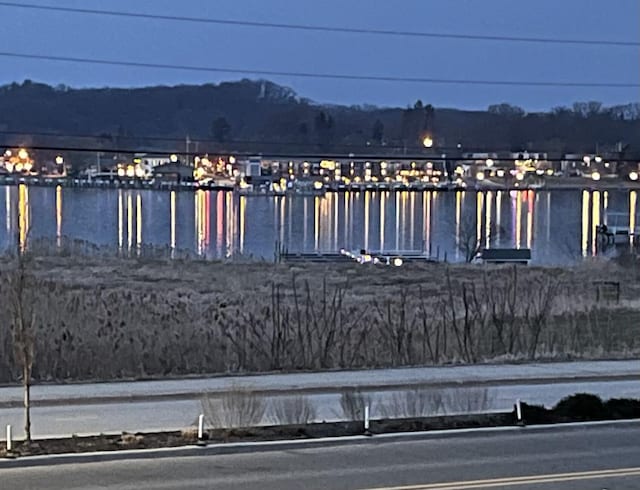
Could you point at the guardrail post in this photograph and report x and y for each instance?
(9, 439)
(519, 418)
(200, 428)
(366, 420)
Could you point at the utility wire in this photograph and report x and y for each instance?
(195, 139)
(232, 146)
(303, 156)
(333, 76)
(228, 146)
(324, 28)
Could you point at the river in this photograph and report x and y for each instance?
(558, 226)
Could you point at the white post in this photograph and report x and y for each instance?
(9, 441)
(200, 427)
(366, 417)
(518, 411)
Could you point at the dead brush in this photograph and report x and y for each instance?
(352, 403)
(127, 439)
(111, 318)
(417, 402)
(292, 410)
(239, 407)
(467, 400)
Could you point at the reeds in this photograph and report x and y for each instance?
(106, 318)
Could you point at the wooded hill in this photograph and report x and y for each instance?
(260, 116)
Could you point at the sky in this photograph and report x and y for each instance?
(252, 48)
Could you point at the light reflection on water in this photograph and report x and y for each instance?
(559, 226)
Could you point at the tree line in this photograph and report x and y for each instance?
(263, 116)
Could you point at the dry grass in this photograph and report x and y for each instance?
(293, 410)
(418, 402)
(104, 317)
(131, 439)
(352, 403)
(421, 402)
(237, 408)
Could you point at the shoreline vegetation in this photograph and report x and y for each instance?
(103, 317)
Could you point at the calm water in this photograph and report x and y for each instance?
(559, 226)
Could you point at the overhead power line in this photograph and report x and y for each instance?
(332, 76)
(324, 28)
(235, 145)
(214, 145)
(279, 155)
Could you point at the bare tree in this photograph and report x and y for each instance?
(20, 284)
(468, 241)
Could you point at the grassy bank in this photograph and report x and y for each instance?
(113, 318)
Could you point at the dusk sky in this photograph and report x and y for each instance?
(154, 41)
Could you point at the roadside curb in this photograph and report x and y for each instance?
(287, 390)
(221, 449)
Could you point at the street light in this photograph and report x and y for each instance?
(59, 160)
(427, 142)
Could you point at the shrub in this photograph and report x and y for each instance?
(534, 414)
(582, 406)
(623, 408)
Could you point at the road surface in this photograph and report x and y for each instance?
(82, 409)
(541, 373)
(592, 458)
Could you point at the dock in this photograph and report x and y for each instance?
(396, 258)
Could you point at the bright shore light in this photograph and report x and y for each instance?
(633, 176)
(595, 176)
(427, 142)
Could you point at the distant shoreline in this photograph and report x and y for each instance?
(555, 184)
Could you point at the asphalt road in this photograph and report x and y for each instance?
(584, 458)
(373, 379)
